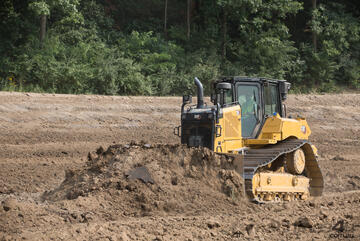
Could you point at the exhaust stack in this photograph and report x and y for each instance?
(200, 94)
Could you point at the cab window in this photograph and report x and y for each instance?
(248, 98)
(228, 97)
(271, 96)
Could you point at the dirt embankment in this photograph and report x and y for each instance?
(146, 180)
(51, 187)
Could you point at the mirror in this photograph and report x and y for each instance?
(213, 98)
(187, 99)
(284, 89)
(223, 86)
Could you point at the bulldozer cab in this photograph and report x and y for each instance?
(258, 98)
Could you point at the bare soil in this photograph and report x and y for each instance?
(65, 163)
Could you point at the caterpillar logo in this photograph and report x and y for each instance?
(303, 129)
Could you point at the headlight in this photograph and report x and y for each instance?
(197, 116)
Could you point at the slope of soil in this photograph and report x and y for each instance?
(178, 180)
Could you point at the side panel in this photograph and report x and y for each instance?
(277, 128)
(230, 125)
(298, 128)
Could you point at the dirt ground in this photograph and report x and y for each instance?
(66, 162)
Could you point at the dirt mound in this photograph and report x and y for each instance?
(141, 179)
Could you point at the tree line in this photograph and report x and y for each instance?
(156, 47)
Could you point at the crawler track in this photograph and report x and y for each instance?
(256, 158)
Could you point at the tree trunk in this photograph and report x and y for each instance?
(165, 19)
(42, 28)
(224, 28)
(188, 18)
(314, 35)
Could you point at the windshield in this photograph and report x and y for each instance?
(248, 97)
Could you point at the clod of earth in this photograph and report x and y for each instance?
(250, 229)
(140, 173)
(9, 204)
(304, 222)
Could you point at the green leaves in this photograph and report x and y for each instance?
(338, 36)
(40, 8)
(119, 47)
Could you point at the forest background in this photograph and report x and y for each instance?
(157, 47)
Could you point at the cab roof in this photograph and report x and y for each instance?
(233, 79)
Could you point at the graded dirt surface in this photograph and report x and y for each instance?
(56, 183)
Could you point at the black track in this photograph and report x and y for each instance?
(256, 158)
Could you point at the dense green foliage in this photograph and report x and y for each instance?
(130, 48)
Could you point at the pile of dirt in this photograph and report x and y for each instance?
(141, 179)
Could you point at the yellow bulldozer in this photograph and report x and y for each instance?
(247, 118)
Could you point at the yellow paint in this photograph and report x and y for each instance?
(230, 124)
(275, 129)
(259, 141)
(267, 185)
(279, 183)
(315, 150)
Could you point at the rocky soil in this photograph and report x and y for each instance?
(70, 168)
